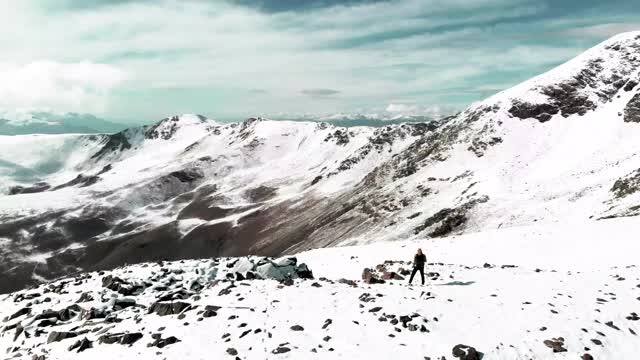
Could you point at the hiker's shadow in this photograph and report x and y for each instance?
(458, 283)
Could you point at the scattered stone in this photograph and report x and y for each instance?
(557, 344)
(281, 350)
(610, 324)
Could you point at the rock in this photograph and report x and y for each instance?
(281, 350)
(81, 345)
(633, 317)
(297, 328)
(122, 287)
(347, 282)
(610, 324)
(556, 344)
(120, 338)
(375, 309)
(85, 297)
(586, 356)
(369, 277)
(209, 313)
(160, 342)
(232, 351)
(596, 341)
(56, 336)
(130, 338)
(121, 304)
(17, 314)
(465, 352)
(632, 110)
(164, 309)
(390, 275)
(327, 323)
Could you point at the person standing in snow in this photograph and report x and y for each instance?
(418, 265)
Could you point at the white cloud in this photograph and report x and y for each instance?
(207, 56)
(82, 86)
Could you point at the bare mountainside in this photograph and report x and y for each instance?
(561, 147)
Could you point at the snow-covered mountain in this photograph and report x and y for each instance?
(560, 148)
(48, 122)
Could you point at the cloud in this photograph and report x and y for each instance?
(49, 84)
(600, 31)
(215, 57)
(320, 92)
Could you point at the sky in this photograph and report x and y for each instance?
(146, 59)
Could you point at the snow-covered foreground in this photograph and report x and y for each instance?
(578, 283)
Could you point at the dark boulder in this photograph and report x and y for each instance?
(369, 277)
(81, 345)
(56, 336)
(391, 275)
(556, 344)
(159, 342)
(17, 314)
(120, 338)
(281, 350)
(173, 308)
(465, 352)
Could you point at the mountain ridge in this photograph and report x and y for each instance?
(541, 152)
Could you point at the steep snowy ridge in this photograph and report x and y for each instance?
(561, 148)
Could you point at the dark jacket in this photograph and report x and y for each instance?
(419, 260)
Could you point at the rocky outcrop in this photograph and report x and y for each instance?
(447, 220)
(632, 110)
(626, 185)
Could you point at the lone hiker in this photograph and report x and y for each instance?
(418, 265)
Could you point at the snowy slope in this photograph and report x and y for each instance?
(560, 148)
(509, 294)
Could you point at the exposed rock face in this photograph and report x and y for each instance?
(627, 185)
(113, 143)
(36, 188)
(447, 220)
(632, 110)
